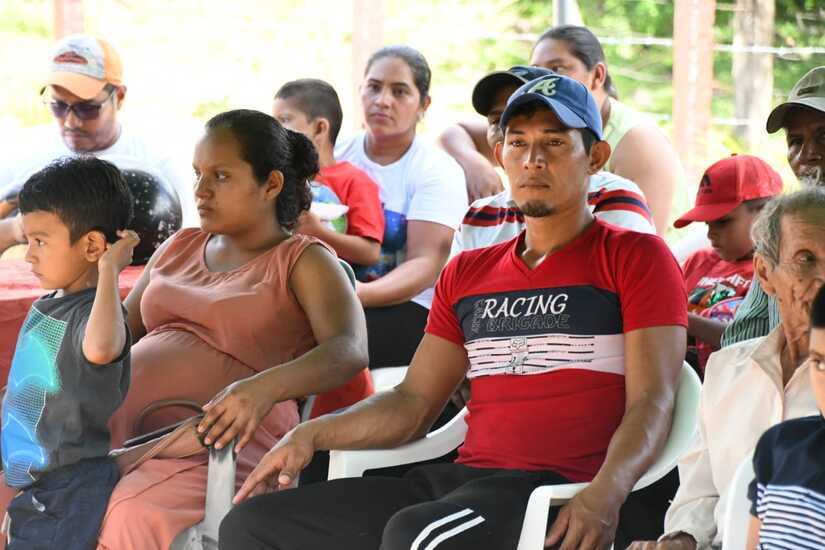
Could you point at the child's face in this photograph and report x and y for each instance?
(286, 112)
(55, 261)
(730, 235)
(816, 360)
(494, 133)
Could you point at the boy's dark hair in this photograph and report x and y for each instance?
(86, 193)
(818, 309)
(315, 98)
(414, 59)
(268, 146)
(531, 108)
(584, 46)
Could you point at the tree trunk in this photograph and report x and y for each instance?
(692, 82)
(367, 36)
(753, 72)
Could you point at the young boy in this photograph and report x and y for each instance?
(731, 194)
(71, 365)
(788, 494)
(311, 107)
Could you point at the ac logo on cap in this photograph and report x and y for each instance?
(546, 88)
(704, 186)
(71, 57)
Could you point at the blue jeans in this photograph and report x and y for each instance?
(64, 508)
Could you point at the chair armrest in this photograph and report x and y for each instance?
(533, 529)
(220, 485)
(682, 431)
(435, 444)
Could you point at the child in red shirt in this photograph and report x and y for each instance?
(731, 194)
(311, 107)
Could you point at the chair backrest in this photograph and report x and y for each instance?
(682, 429)
(682, 432)
(695, 239)
(738, 508)
(385, 378)
(348, 270)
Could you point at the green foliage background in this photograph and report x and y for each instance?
(189, 59)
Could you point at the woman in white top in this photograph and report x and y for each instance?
(424, 196)
(640, 151)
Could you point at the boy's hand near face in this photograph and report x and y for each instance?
(119, 254)
(105, 335)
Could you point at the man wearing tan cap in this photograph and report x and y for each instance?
(84, 92)
(802, 117)
(707, 470)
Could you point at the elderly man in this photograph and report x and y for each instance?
(571, 342)
(753, 385)
(803, 118)
(85, 93)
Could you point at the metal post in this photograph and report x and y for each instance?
(367, 36)
(68, 18)
(692, 82)
(566, 12)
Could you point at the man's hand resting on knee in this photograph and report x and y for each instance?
(281, 464)
(587, 521)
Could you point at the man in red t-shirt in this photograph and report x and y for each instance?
(731, 194)
(572, 335)
(311, 107)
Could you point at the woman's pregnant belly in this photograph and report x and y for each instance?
(175, 367)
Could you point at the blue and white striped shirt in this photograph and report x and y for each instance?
(788, 494)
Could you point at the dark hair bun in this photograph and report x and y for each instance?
(304, 156)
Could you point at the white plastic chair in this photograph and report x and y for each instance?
(385, 378)
(533, 531)
(738, 507)
(693, 239)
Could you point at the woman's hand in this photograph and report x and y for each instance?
(283, 463)
(237, 409)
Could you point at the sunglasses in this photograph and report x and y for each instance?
(83, 110)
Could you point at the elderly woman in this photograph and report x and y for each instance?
(755, 384)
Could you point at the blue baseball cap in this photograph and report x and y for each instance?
(569, 99)
(486, 88)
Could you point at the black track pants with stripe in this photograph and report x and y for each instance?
(433, 507)
(437, 506)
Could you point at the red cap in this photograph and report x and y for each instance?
(727, 184)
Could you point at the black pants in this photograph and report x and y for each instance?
(394, 333)
(64, 508)
(458, 507)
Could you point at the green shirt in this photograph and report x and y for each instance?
(756, 316)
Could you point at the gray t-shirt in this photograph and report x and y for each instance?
(57, 404)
